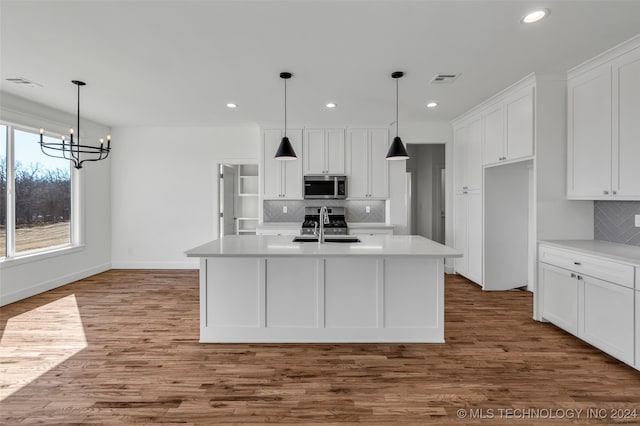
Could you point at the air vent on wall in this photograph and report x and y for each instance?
(24, 82)
(444, 78)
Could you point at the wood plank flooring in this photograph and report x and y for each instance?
(122, 348)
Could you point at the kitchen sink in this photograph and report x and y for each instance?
(331, 239)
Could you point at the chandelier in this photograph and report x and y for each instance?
(74, 150)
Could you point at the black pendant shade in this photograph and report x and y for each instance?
(397, 151)
(285, 149)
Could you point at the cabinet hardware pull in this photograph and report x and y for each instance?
(577, 263)
(579, 277)
(605, 192)
(614, 192)
(573, 275)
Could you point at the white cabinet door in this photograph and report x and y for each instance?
(609, 318)
(334, 152)
(281, 179)
(637, 327)
(519, 119)
(493, 134)
(358, 158)
(460, 236)
(589, 143)
(474, 236)
(314, 152)
(559, 288)
(460, 158)
(474, 153)
(379, 165)
(626, 130)
(272, 168)
(292, 169)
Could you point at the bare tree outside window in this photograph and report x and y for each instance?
(43, 196)
(3, 191)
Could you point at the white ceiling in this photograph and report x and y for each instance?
(177, 63)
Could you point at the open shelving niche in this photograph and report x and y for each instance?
(247, 199)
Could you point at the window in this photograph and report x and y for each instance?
(36, 195)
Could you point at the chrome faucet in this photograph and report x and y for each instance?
(324, 220)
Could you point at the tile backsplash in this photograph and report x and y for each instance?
(614, 221)
(355, 210)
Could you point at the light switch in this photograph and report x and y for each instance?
(367, 209)
(284, 209)
(638, 221)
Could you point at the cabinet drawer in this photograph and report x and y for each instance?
(596, 267)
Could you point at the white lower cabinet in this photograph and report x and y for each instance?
(600, 308)
(560, 297)
(607, 321)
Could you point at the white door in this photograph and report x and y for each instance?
(626, 75)
(335, 152)
(474, 237)
(228, 225)
(358, 156)
(314, 152)
(519, 119)
(272, 176)
(378, 163)
(559, 297)
(460, 232)
(474, 154)
(608, 318)
(493, 134)
(292, 169)
(589, 131)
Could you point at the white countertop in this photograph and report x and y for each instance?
(279, 225)
(620, 252)
(283, 246)
(377, 225)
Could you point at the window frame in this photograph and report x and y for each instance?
(76, 234)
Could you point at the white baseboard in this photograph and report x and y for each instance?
(5, 299)
(188, 264)
(449, 269)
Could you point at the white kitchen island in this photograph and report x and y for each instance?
(385, 288)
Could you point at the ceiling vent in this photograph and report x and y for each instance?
(24, 82)
(444, 78)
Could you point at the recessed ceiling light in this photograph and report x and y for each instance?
(535, 16)
(432, 104)
(331, 105)
(232, 105)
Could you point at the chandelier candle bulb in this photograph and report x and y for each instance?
(101, 141)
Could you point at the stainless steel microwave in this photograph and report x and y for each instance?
(325, 187)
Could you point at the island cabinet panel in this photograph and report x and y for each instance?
(292, 292)
(239, 280)
(405, 297)
(351, 287)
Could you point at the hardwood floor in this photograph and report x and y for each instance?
(122, 347)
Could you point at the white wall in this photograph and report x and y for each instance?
(165, 193)
(21, 278)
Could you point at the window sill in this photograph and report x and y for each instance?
(38, 256)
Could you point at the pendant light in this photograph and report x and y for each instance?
(397, 150)
(285, 150)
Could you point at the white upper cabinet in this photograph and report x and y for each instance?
(324, 152)
(368, 168)
(467, 152)
(508, 127)
(604, 129)
(281, 179)
(589, 134)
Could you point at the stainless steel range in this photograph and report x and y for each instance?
(337, 224)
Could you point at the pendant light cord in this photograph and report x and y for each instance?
(285, 108)
(397, 106)
(78, 136)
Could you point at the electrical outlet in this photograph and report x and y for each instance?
(284, 209)
(367, 209)
(638, 221)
